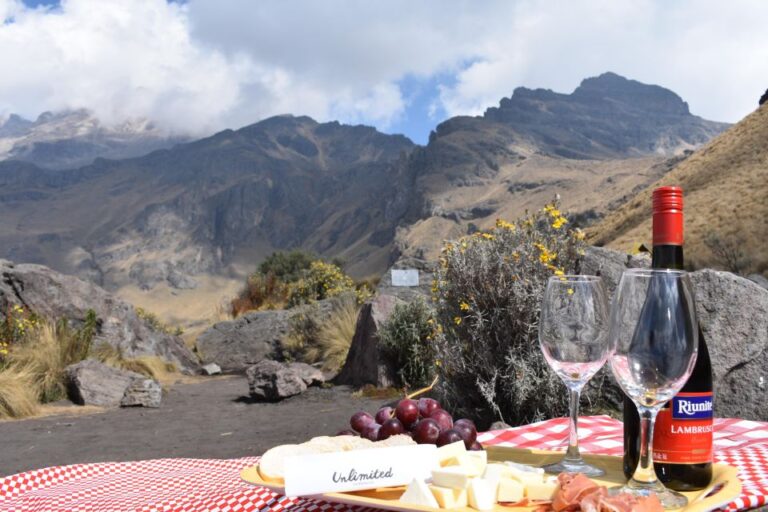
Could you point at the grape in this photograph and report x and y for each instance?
(443, 419)
(426, 431)
(359, 420)
(371, 432)
(346, 432)
(449, 436)
(407, 411)
(467, 422)
(427, 406)
(390, 428)
(476, 447)
(384, 414)
(466, 432)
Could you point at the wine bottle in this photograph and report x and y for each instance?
(682, 440)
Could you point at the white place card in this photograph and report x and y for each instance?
(357, 470)
(405, 277)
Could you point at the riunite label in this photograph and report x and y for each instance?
(683, 431)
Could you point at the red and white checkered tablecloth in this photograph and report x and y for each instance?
(203, 485)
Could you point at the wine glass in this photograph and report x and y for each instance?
(573, 334)
(654, 338)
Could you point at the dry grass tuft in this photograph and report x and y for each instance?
(18, 396)
(153, 367)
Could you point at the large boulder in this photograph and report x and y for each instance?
(91, 382)
(272, 381)
(609, 264)
(366, 364)
(54, 296)
(408, 293)
(251, 337)
(733, 313)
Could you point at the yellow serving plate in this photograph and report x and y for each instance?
(725, 483)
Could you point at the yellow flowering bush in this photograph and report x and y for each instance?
(408, 339)
(15, 326)
(323, 280)
(487, 293)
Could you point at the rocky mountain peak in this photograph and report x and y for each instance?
(649, 98)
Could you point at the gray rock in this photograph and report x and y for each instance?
(499, 425)
(272, 381)
(758, 279)
(91, 382)
(142, 392)
(309, 374)
(210, 369)
(733, 313)
(408, 293)
(235, 344)
(365, 363)
(609, 264)
(55, 296)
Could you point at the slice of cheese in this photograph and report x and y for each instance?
(493, 474)
(455, 477)
(449, 451)
(418, 493)
(510, 491)
(481, 495)
(544, 490)
(449, 498)
(480, 454)
(525, 477)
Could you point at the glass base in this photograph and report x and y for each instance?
(573, 466)
(669, 499)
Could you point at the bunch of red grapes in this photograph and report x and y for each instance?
(424, 420)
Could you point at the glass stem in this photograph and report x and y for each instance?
(645, 474)
(573, 437)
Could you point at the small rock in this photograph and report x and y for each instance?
(142, 393)
(211, 369)
(91, 382)
(610, 264)
(273, 381)
(758, 279)
(309, 374)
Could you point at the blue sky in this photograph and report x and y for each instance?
(199, 66)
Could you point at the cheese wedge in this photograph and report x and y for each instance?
(455, 477)
(544, 490)
(493, 474)
(449, 498)
(418, 493)
(525, 477)
(480, 454)
(480, 494)
(449, 451)
(510, 491)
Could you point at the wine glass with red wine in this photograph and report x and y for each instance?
(573, 334)
(654, 337)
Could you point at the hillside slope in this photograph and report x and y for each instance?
(726, 193)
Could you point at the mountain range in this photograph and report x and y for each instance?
(189, 220)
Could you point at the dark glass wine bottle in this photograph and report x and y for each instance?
(682, 440)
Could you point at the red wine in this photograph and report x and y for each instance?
(682, 441)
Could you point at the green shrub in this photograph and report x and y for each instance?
(321, 281)
(487, 291)
(407, 338)
(287, 266)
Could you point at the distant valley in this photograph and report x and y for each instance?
(177, 228)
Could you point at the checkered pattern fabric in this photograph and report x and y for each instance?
(196, 485)
(740, 443)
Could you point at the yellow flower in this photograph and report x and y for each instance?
(430, 321)
(559, 222)
(570, 291)
(488, 236)
(578, 234)
(502, 224)
(464, 306)
(559, 272)
(457, 320)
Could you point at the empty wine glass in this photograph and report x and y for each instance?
(573, 334)
(654, 338)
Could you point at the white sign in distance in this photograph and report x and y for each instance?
(405, 277)
(358, 470)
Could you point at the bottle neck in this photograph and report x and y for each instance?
(667, 256)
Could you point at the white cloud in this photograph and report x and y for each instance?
(209, 64)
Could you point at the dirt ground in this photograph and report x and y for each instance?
(211, 419)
